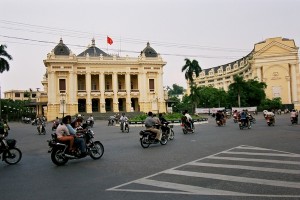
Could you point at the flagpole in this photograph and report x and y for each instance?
(120, 46)
(106, 44)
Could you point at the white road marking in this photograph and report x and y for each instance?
(263, 154)
(263, 169)
(255, 160)
(177, 188)
(235, 178)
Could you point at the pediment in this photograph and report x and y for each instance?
(274, 49)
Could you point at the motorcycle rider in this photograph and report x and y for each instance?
(163, 121)
(150, 124)
(243, 118)
(123, 120)
(219, 117)
(294, 116)
(63, 133)
(189, 119)
(270, 116)
(78, 141)
(91, 119)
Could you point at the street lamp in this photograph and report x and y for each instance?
(63, 101)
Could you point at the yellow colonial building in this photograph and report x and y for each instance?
(274, 61)
(96, 82)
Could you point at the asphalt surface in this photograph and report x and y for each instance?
(213, 163)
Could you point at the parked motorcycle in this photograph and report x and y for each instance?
(90, 123)
(60, 154)
(41, 128)
(10, 153)
(168, 129)
(124, 126)
(147, 138)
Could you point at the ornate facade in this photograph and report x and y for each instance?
(94, 81)
(274, 61)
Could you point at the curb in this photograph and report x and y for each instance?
(140, 124)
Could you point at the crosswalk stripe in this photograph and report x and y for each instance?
(262, 154)
(264, 169)
(260, 149)
(254, 160)
(188, 188)
(234, 178)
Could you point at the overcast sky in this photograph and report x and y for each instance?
(214, 32)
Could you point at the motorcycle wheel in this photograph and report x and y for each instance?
(144, 142)
(57, 157)
(163, 140)
(184, 131)
(172, 135)
(97, 150)
(12, 156)
(127, 129)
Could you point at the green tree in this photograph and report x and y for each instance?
(175, 90)
(190, 68)
(255, 92)
(237, 87)
(4, 65)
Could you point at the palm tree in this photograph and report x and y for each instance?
(4, 65)
(191, 68)
(238, 86)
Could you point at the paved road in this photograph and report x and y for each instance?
(214, 163)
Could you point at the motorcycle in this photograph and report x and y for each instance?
(270, 121)
(147, 138)
(111, 121)
(124, 126)
(60, 154)
(41, 128)
(294, 120)
(26, 120)
(187, 129)
(168, 129)
(34, 122)
(252, 119)
(10, 153)
(54, 125)
(220, 122)
(243, 124)
(90, 123)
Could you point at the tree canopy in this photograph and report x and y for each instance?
(190, 68)
(4, 65)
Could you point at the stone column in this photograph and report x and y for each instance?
(102, 92)
(52, 89)
(294, 83)
(88, 92)
(128, 89)
(258, 72)
(72, 92)
(115, 90)
(287, 78)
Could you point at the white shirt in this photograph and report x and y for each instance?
(188, 116)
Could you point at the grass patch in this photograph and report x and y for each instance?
(168, 117)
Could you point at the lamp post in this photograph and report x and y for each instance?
(63, 101)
